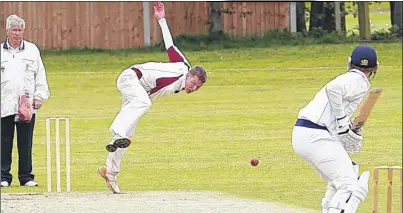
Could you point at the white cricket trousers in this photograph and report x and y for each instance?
(135, 103)
(329, 158)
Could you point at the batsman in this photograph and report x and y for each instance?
(324, 138)
(138, 85)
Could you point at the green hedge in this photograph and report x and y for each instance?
(280, 37)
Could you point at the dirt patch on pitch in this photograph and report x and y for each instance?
(177, 202)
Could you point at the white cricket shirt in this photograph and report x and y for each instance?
(338, 98)
(164, 78)
(22, 72)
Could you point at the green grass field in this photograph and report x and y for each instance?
(204, 141)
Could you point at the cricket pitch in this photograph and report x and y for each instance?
(177, 202)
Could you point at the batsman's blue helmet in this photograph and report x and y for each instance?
(364, 56)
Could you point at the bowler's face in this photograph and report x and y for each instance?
(15, 34)
(192, 83)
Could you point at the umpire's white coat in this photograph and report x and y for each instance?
(22, 72)
(141, 83)
(338, 98)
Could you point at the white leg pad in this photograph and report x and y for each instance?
(330, 191)
(357, 197)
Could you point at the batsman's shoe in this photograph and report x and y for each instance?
(118, 143)
(110, 179)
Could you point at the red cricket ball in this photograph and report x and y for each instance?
(254, 162)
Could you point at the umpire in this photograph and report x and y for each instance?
(23, 88)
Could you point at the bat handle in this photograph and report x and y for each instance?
(357, 129)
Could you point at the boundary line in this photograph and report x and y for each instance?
(227, 69)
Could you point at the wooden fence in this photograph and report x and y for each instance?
(120, 24)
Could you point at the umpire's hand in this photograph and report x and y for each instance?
(37, 104)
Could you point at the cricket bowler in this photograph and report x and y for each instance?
(323, 137)
(141, 83)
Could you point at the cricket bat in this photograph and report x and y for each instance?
(365, 108)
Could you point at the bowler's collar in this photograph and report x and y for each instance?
(183, 82)
(182, 87)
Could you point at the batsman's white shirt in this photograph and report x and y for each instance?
(338, 98)
(319, 147)
(22, 71)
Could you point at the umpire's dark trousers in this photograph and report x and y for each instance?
(24, 144)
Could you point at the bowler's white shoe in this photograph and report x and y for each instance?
(31, 183)
(4, 184)
(110, 179)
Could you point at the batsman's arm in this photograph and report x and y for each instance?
(335, 92)
(174, 54)
(352, 106)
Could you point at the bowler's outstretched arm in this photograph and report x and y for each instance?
(174, 54)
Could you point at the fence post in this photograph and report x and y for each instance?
(146, 23)
(293, 17)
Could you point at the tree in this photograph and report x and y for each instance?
(392, 11)
(396, 13)
(301, 23)
(329, 23)
(216, 26)
(343, 17)
(316, 15)
(322, 15)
